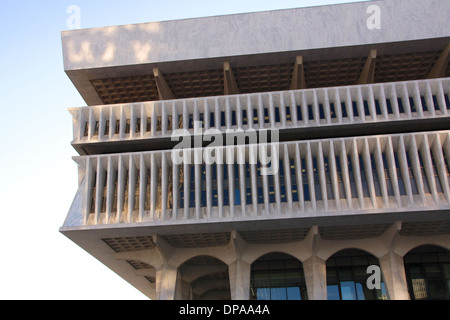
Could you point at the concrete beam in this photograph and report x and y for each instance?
(368, 72)
(165, 93)
(229, 82)
(298, 77)
(440, 67)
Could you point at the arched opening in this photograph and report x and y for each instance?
(348, 275)
(427, 271)
(203, 278)
(277, 276)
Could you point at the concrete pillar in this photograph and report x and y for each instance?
(166, 281)
(316, 278)
(239, 273)
(393, 270)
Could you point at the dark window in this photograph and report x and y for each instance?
(376, 179)
(299, 113)
(288, 114)
(329, 186)
(138, 125)
(106, 132)
(424, 103)
(226, 196)
(401, 109)
(191, 121)
(147, 191)
(344, 110)
(340, 178)
(435, 103)
(412, 104)
(351, 174)
(378, 107)
(244, 117)
(447, 101)
(387, 176)
(306, 192)
(277, 114)
(389, 106)
(237, 186)
(427, 271)
(214, 182)
(355, 109)
(294, 188)
(212, 120)
(426, 186)
(321, 111)
(317, 188)
(277, 276)
(203, 185)
(248, 184)
(366, 108)
(93, 194)
(96, 129)
(364, 183)
(259, 183)
(347, 276)
(222, 119)
(266, 115)
(127, 126)
(233, 118)
(86, 129)
(310, 112)
(332, 111)
(282, 182)
(255, 116)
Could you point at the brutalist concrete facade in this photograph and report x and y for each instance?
(338, 158)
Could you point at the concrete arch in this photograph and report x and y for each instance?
(353, 249)
(203, 277)
(300, 250)
(286, 252)
(327, 251)
(406, 244)
(226, 254)
(440, 246)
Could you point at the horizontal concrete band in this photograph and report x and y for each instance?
(255, 33)
(285, 110)
(375, 174)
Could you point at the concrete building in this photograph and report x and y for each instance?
(339, 159)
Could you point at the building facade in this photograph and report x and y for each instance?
(289, 154)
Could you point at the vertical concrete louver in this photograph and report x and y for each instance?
(338, 176)
(376, 103)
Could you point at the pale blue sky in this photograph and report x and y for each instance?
(38, 179)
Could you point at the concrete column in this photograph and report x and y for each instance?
(166, 281)
(316, 278)
(394, 275)
(239, 273)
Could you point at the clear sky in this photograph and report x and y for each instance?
(38, 178)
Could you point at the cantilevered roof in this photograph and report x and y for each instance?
(117, 64)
